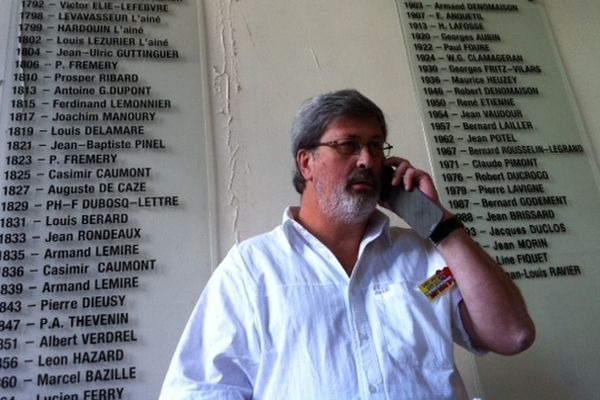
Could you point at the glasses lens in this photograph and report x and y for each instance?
(375, 148)
(348, 147)
(351, 147)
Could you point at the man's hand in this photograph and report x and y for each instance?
(405, 173)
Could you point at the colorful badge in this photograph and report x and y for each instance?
(437, 284)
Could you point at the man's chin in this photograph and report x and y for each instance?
(360, 216)
(351, 204)
(364, 205)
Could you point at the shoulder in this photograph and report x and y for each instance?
(249, 259)
(265, 248)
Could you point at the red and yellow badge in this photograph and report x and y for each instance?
(436, 285)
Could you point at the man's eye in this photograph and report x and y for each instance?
(376, 147)
(348, 147)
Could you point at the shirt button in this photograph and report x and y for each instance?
(372, 388)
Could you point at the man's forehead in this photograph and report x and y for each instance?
(353, 126)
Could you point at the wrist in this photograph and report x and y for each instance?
(444, 229)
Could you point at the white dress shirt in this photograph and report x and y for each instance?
(281, 319)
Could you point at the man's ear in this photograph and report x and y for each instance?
(305, 158)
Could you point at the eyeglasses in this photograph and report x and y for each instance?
(351, 147)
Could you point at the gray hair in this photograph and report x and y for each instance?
(316, 114)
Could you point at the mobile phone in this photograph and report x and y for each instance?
(414, 207)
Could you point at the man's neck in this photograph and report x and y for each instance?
(340, 237)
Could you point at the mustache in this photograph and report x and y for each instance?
(363, 176)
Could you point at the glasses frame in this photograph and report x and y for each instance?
(338, 144)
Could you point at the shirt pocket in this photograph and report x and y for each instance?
(414, 330)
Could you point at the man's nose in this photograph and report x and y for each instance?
(365, 159)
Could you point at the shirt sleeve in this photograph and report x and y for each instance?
(459, 333)
(218, 353)
(460, 336)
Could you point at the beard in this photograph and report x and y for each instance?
(346, 204)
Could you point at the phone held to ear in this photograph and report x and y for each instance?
(414, 207)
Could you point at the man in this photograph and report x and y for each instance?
(327, 305)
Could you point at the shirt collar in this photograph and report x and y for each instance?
(378, 224)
